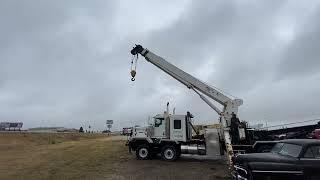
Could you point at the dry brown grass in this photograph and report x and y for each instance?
(59, 156)
(91, 156)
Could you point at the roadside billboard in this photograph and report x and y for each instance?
(9, 125)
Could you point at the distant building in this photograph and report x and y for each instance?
(10, 126)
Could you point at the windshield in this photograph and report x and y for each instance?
(277, 148)
(287, 149)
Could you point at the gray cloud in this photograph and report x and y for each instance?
(67, 64)
(301, 56)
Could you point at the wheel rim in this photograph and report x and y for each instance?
(143, 152)
(168, 154)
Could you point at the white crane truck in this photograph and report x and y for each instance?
(174, 140)
(171, 136)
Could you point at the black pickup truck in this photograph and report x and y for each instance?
(292, 158)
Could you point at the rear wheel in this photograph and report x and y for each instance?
(143, 152)
(169, 153)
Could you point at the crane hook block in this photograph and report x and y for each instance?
(133, 74)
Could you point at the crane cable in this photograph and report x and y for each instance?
(133, 71)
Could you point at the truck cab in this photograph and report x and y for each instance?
(179, 130)
(168, 134)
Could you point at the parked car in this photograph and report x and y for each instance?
(315, 134)
(127, 131)
(291, 158)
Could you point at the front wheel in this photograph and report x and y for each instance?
(143, 152)
(169, 153)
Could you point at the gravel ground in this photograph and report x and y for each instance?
(186, 168)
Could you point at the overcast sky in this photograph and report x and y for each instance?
(67, 63)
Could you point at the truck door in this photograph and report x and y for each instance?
(159, 128)
(311, 162)
(178, 129)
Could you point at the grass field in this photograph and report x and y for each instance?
(59, 156)
(92, 156)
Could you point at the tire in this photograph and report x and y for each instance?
(143, 152)
(169, 153)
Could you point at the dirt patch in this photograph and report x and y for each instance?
(186, 168)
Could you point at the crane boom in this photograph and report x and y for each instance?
(230, 106)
